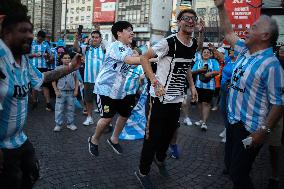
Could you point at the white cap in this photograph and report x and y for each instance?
(221, 50)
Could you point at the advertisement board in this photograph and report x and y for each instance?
(242, 14)
(104, 11)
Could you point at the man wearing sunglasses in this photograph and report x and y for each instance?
(175, 58)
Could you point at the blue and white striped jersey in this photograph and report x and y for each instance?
(256, 84)
(112, 77)
(39, 62)
(94, 59)
(131, 85)
(14, 96)
(213, 65)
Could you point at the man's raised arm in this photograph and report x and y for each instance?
(225, 23)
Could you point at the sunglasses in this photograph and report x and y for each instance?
(188, 18)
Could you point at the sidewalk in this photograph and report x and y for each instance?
(66, 163)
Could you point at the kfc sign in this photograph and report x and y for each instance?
(242, 14)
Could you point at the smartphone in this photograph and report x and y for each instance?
(79, 30)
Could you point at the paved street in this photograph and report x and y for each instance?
(66, 163)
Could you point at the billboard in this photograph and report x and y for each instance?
(104, 11)
(242, 14)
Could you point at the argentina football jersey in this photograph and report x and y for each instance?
(132, 80)
(94, 58)
(42, 48)
(111, 78)
(213, 65)
(256, 84)
(14, 96)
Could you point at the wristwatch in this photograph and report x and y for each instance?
(267, 130)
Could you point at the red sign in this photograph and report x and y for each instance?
(104, 11)
(242, 14)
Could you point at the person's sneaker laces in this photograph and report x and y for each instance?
(88, 121)
(203, 127)
(198, 123)
(116, 147)
(223, 133)
(187, 121)
(144, 180)
(49, 107)
(93, 148)
(162, 167)
(72, 127)
(174, 153)
(57, 128)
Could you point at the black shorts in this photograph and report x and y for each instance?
(109, 107)
(42, 70)
(89, 95)
(205, 95)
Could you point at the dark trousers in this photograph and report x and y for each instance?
(239, 160)
(20, 167)
(163, 120)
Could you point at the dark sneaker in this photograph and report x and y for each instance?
(162, 167)
(174, 151)
(93, 148)
(116, 147)
(49, 107)
(145, 181)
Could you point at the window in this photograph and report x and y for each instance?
(77, 18)
(72, 1)
(78, 1)
(83, 1)
(82, 8)
(88, 8)
(88, 18)
(82, 18)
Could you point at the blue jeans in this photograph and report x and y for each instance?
(66, 99)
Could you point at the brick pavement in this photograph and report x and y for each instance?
(66, 163)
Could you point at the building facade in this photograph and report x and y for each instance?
(45, 15)
(276, 10)
(75, 13)
(150, 18)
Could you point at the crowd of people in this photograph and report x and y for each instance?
(246, 80)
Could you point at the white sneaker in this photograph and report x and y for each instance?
(88, 121)
(96, 110)
(204, 127)
(198, 123)
(57, 128)
(187, 121)
(214, 108)
(223, 133)
(72, 127)
(223, 140)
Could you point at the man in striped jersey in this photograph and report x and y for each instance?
(256, 95)
(94, 57)
(39, 55)
(18, 164)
